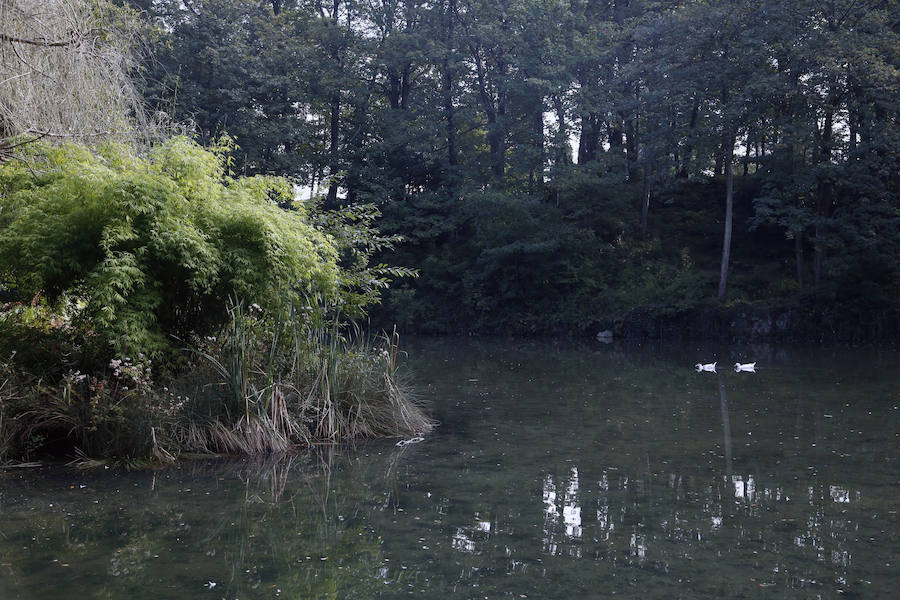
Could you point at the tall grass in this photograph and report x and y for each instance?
(265, 384)
(310, 379)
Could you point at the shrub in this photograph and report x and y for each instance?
(113, 261)
(140, 250)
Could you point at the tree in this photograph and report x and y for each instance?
(65, 72)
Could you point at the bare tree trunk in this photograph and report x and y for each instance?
(334, 126)
(823, 194)
(631, 145)
(747, 157)
(689, 146)
(333, 139)
(449, 111)
(494, 104)
(728, 159)
(536, 172)
(645, 204)
(589, 140)
(497, 140)
(561, 141)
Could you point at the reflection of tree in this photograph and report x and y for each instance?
(726, 426)
(302, 531)
(251, 527)
(309, 526)
(728, 533)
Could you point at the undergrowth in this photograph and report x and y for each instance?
(267, 383)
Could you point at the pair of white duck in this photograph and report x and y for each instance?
(738, 367)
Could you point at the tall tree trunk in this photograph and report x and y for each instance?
(497, 141)
(449, 111)
(405, 77)
(616, 137)
(823, 194)
(334, 125)
(333, 139)
(746, 157)
(494, 104)
(589, 140)
(798, 256)
(536, 172)
(728, 159)
(631, 146)
(683, 171)
(645, 203)
(561, 153)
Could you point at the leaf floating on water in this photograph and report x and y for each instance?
(414, 440)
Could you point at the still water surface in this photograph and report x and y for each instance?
(559, 471)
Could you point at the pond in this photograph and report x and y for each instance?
(558, 471)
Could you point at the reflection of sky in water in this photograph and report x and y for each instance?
(562, 528)
(464, 537)
(554, 475)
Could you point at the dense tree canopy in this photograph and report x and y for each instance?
(559, 163)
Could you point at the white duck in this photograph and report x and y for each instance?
(749, 367)
(707, 367)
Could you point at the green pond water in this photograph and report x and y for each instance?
(559, 471)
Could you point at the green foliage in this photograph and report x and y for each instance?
(352, 230)
(546, 163)
(141, 250)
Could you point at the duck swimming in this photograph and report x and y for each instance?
(707, 367)
(749, 367)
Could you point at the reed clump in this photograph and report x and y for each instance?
(266, 383)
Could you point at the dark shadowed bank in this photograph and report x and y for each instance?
(751, 323)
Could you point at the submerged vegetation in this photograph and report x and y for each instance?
(159, 306)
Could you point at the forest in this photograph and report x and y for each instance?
(696, 168)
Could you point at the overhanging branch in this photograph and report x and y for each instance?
(44, 43)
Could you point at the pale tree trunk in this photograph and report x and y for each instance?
(823, 194)
(729, 201)
(334, 125)
(645, 203)
(447, 85)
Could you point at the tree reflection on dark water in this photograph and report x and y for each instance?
(558, 472)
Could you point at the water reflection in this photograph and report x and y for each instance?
(612, 472)
(726, 425)
(562, 528)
